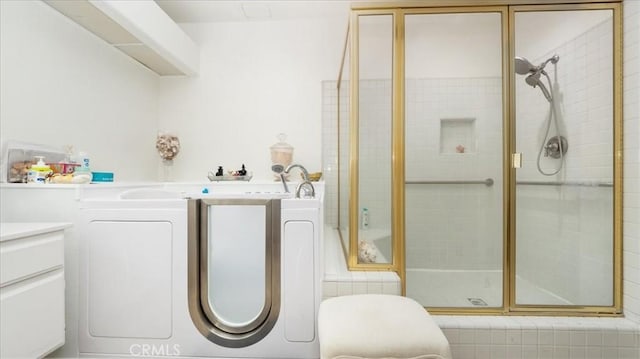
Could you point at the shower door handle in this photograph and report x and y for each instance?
(516, 160)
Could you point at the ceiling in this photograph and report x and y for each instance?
(182, 11)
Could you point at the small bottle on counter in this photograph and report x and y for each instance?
(82, 173)
(83, 160)
(39, 172)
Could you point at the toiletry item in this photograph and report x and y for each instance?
(63, 168)
(83, 160)
(101, 177)
(220, 171)
(365, 219)
(243, 171)
(39, 172)
(81, 175)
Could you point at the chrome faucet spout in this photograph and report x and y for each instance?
(305, 173)
(308, 193)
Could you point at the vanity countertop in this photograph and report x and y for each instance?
(14, 230)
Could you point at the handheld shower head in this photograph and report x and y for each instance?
(533, 80)
(279, 169)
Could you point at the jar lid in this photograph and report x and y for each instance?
(282, 146)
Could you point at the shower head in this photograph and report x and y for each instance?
(533, 80)
(523, 66)
(277, 168)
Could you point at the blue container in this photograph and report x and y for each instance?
(100, 177)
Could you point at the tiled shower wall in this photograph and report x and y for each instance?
(436, 207)
(454, 226)
(564, 232)
(471, 209)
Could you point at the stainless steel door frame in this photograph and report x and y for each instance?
(201, 313)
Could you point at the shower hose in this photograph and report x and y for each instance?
(553, 115)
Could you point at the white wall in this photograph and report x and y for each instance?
(257, 79)
(61, 85)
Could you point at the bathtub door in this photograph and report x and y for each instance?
(234, 268)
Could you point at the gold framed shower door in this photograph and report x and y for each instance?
(507, 9)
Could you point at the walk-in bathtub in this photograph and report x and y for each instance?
(146, 288)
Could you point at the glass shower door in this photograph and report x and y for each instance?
(564, 118)
(454, 159)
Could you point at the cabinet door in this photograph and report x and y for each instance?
(129, 279)
(32, 316)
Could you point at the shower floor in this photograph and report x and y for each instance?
(455, 288)
(469, 288)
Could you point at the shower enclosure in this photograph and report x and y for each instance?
(480, 155)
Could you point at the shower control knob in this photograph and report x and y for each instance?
(553, 146)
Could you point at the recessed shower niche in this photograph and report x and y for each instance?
(457, 135)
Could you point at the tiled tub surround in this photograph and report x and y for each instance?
(496, 337)
(484, 337)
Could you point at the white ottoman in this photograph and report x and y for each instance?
(378, 326)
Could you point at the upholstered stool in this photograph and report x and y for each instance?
(378, 326)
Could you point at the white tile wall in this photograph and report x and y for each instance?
(330, 149)
(453, 226)
(435, 209)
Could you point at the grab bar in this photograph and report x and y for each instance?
(565, 183)
(487, 182)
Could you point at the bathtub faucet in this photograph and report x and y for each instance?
(309, 190)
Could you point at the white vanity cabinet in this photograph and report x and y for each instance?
(31, 289)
